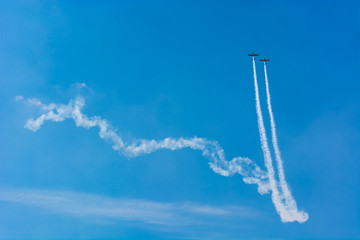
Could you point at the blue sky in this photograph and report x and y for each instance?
(178, 69)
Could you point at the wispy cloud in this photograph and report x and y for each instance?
(92, 206)
(80, 85)
(18, 98)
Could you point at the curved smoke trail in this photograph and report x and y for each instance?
(284, 203)
(251, 173)
(288, 198)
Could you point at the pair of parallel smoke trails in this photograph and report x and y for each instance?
(284, 202)
(266, 182)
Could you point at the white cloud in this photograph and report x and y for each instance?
(18, 98)
(80, 85)
(92, 206)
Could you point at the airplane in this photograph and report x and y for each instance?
(253, 54)
(264, 60)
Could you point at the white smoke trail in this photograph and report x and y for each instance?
(284, 203)
(279, 162)
(288, 198)
(275, 195)
(251, 173)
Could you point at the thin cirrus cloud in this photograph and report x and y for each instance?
(92, 206)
